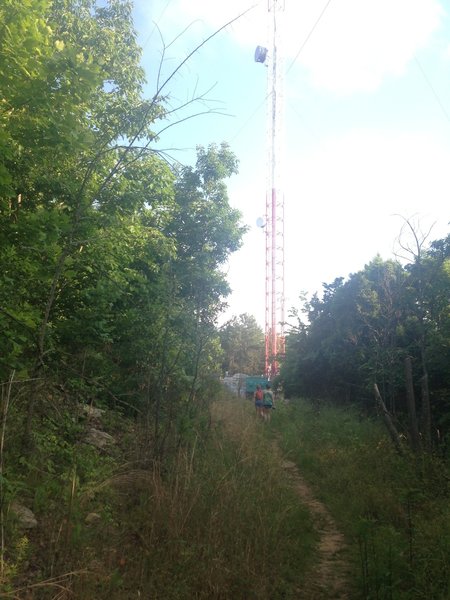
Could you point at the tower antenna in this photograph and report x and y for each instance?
(274, 222)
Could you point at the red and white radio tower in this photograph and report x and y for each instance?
(274, 218)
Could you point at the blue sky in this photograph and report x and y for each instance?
(367, 124)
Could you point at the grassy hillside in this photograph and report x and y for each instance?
(394, 510)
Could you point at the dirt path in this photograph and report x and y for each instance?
(328, 579)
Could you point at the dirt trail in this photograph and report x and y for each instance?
(328, 579)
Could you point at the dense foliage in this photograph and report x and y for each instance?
(242, 341)
(110, 259)
(363, 329)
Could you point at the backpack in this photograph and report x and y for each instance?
(258, 395)
(268, 398)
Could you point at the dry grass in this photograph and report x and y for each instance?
(223, 523)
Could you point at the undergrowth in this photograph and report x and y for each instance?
(394, 510)
(223, 523)
(216, 520)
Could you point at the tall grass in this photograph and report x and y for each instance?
(222, 522)
(395, 510)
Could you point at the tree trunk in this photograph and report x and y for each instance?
(426, 411)
(388, 421)
(411, 402)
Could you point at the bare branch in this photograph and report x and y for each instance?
(413, 250)
(205, 112)
(160, 88)
(197, 48)
(201, 99)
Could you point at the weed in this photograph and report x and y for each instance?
(394, 510)
(223, 523)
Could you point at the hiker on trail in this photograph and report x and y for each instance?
(258, 395)
(268, 403)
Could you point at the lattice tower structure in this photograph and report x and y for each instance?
(274, 229)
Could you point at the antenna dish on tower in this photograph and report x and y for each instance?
(260, 54)
(260, 222)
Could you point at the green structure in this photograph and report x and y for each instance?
(251, 382)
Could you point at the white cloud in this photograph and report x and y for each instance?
(344, 204)
(344, 208)
(355, 45)
(359, 42)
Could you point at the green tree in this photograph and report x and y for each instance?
(242, 341)
(59, 152)
(430, 333)
(110, 261)
(363, 329)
